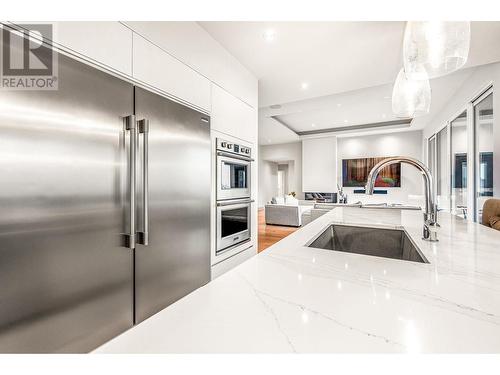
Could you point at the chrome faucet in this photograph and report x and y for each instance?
(430, 215)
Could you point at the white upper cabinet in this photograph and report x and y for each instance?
(232, 116)
(157, 68)
(195, 47)
(179, 59)
(108, 43)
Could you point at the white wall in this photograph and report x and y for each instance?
(269, 156)
(319, 160)
(393, 144)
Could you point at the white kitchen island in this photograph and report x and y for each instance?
(293, 298)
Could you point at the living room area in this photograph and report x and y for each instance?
(319, 140)
(302, 180)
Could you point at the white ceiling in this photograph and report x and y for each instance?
(361, 106)
(273, 132)
(331, 57)
(349, 67)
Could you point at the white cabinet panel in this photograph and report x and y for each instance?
(319, 165)
(228, 264)
(231, 116)
(109, 43)
(157, 68)
(194, 46)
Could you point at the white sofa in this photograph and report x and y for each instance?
(289, 212)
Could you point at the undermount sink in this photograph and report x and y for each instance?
(387, 243)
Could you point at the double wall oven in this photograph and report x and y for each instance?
(233, 195)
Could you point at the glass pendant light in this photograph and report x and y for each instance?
(439, 47)
(411, 97)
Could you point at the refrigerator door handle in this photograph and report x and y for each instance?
(130, 126)
(143, 236)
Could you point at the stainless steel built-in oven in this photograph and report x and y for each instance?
(233, 195)
(233, 170)
(233, 223)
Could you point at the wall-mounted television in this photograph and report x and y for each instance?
(355, 173)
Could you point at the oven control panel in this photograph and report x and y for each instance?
(234, 148)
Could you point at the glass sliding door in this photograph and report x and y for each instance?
(439, 166)
(459, 165)
(442, 174)
(483, 144)
(431, 163)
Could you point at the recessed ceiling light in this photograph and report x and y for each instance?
(268, 141)
(346, 121)
(304, 85)
(383, 115)
(269, 35)
(313, 125)
(339, 105)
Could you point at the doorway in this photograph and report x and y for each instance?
(282, 180)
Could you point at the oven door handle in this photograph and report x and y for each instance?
(234, 156)
(234, 202)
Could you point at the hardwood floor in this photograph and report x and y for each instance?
(270, 234)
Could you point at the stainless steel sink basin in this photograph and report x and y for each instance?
(387, 243)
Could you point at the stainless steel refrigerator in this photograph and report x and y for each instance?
(104, 209)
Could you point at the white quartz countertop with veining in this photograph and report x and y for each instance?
(291, 298)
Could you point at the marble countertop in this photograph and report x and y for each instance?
(292, 298)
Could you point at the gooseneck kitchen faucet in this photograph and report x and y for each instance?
(430, 215)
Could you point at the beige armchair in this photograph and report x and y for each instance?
(491, 213)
